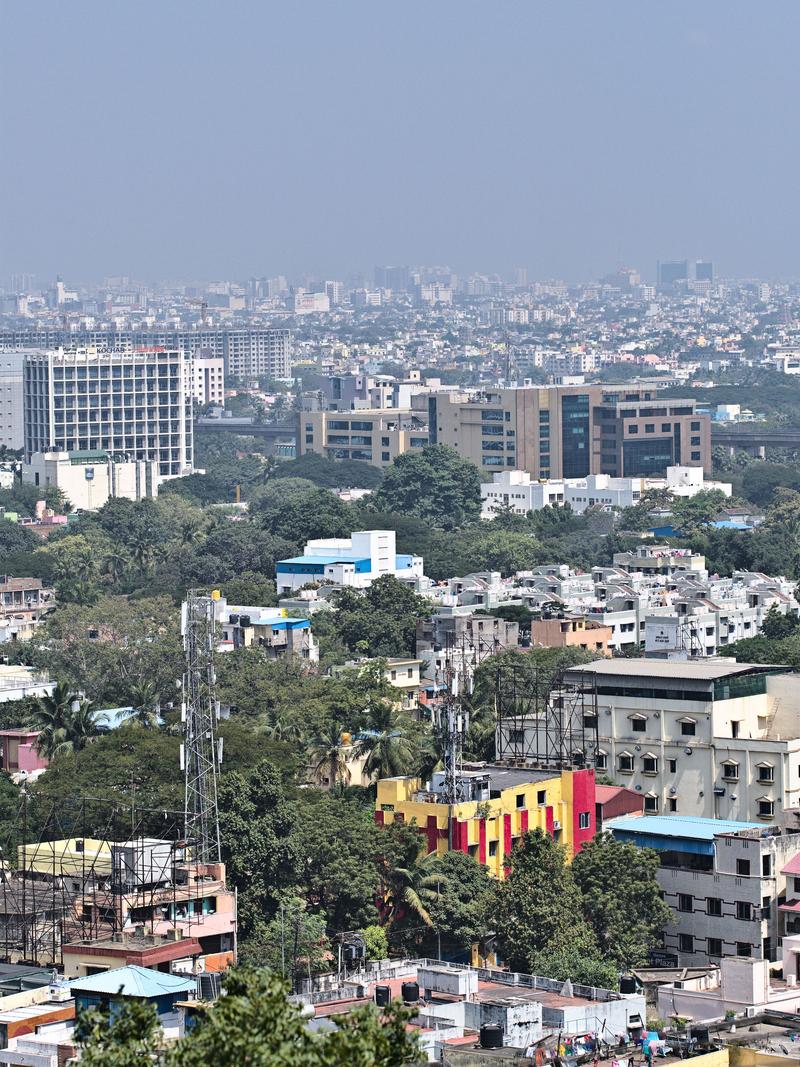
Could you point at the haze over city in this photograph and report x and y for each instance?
(191, 142)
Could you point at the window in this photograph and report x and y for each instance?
(766, 808)
(601, 761)
(666, 427)
(584, 820)
(649, 427)
(650, 763)
(695, 426)
(541, 796)
(520, 800)
(766, 866)
(639, 723)
(766, 907)
(685, 942)
(730, 771)
(625, 762)
(685, 902)
(744, 910)
(651, 804)
(713, 906)
(492, 848)
(714, 946)
(696, 457)
(633, 429)
(743, 948)
(672, 804)
(688, 727)
(743, 867)
(766, 772)
(672, 766)
(735, 728)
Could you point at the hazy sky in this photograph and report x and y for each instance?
(208, 140)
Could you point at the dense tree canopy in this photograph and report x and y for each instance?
(434, 483)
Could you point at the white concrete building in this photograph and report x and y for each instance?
(517, 490)
(348, 561)
(207, 378)
(133, 401)
(12, 427)
(723, 881)
(714, 739)
(89, 479)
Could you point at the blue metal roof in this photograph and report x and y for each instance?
(322, 560)
(687, 826)
(133, 981)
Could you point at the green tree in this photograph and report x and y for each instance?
(380, 620)
(293, 943)
(385, 745)
(621, 898)
(255, 1024)
(458, 912)
(75, 570)
(376, 942)
(129, 1039)
(538, 908)
(296, 510)
(145, 706)
(328, 754)
(434, 483)
(259, 843)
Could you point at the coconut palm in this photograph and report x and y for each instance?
(413, 889)
(83, 723)
(145, 709)
(50, 716)
(328, 755)
(385, 744)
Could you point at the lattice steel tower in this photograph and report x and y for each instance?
(200, 753)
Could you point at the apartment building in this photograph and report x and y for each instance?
(270, 630)
(207, 379)
(137, 402)
(373, 435)
(23, 604)
(712, 739)
(89, 479)
(725, 882)
(573, 431)
(247, 353)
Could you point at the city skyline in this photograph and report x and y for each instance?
(569, 138)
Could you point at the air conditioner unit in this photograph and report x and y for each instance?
(751, 1012)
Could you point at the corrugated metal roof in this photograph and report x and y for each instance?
(679, 826)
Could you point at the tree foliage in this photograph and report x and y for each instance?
(434, 483)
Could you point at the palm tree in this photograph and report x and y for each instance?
(145, 709)
(268, 465)
(50, 715)
(328, 754)
(83, 723)
(413, 889)
(385, 745)
(116, 565)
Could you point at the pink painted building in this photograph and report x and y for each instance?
(18, 751)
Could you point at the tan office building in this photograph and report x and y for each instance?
(373, 435)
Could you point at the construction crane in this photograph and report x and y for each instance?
(201, 752)
(203, 305)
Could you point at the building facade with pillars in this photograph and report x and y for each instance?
(504, 803)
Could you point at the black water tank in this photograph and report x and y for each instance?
(491, 1036)
(383, 996)
(701, 1035)
(244, 620)
(410, 992)
(627, 984)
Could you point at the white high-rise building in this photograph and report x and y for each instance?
(134, 402)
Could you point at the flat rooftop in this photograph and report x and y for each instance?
(707, 671)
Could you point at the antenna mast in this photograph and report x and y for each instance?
(200, 754)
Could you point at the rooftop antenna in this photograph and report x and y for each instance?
(200, 751)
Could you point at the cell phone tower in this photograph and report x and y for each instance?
(200, 751)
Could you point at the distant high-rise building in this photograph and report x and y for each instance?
(520, 276)
(704, 271)
(395, 278)
(12, 429)
(87, 400)
(672, 272)
(247, 353)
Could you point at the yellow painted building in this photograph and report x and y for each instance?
(508, 802)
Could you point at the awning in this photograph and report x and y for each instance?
(790, 905)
